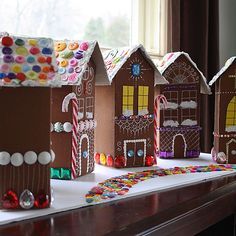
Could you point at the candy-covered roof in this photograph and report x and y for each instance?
(27, 61)
(73, 57)
(228, 63)
(170, 58)
(116, 58)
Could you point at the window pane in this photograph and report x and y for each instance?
(104, 20)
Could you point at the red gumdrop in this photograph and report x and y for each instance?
(97, 158)
(119, 162)
(110, 160)
(149, 161)
(41, 200)
(10, 200)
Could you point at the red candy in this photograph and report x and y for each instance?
(97, 158)
(41, 201)
(34, 50)
(110, 161)
(149, 161)
(120, 162)
(49, 60)
(21, 76)
(7, 41)
(10, 200)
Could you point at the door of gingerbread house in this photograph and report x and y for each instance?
(179, 146)
(231, 151)
(84, 150)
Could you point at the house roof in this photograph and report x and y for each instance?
(116, 58)
(27, 61)
(73, 57)
(170, 58)
(228, 63)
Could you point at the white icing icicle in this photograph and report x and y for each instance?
(171, 123)
(188, 104)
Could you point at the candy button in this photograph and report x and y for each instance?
(16, 68)
(73, 46)
(47, 51)
(78, 70)
(20, 76)
(70, 70)
(22, 51)
(61, 70)
(31, 75)
(42, 76)
(46, 69)
(41, 59)
(20, 42)
(36, 68)
(34, 50)
(63, 63)
(11, 75)
(2, 75)
(7, 41)
(79, 55)
(130, 153)
(26, 68)
(43, 42)
(32, 42)
(84, 46)
(7, 80)
(7, 50)
(67, 54)
(20, 59)
(73, 62)
(60, 46)
(30, 59)
(5, 68)
(49, 60)
(8, 58)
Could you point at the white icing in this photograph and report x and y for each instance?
(17, 159)
(53, 155)
(171, 105)
(5, 158)
(51, 127)
(189, 122)
(67, 126)
(143, 112)
(30, 157)
(128, 113)
(89, 115)
(87, 125)
(188, 104)
(171, 123)
(231, 128)
(80, 115)
(44, 158)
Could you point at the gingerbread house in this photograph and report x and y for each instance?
(224, 150)
(125, 114)
(27, 71)
(80, 65)
(178, 125)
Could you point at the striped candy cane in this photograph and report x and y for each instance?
(159, 98)
(65, 105)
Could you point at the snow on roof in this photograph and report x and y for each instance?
(170, 58)
(116, 58)
(73, 57)
(228, 63)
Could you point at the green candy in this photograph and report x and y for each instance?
(66, 54)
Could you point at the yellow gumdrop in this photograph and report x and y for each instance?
(32, 42)
(16, 68)
(103, 159)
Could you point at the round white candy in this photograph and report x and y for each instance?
(44, 158)
(4, 158)
(53, 155)
(30, 157)
(67, 126)
(17, 159)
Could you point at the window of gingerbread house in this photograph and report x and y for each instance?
(143, 100)
(230, 124)
(128, 100)
(81, 108)
(89, 107)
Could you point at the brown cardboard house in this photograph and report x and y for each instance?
(27, 68)
(178, 125)
(124, 109)
(224, 150)
(80, 65)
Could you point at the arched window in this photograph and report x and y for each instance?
(230, 124)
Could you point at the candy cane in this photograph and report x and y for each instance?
(75, 108)
(156, 111)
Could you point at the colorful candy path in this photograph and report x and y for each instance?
(120, 185)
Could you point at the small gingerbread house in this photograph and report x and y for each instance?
(124, 135)
(178, 125)
(224, 150)
(27, 71)
(80, 65)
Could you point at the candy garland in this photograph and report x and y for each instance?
(120, 185)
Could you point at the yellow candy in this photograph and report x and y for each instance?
(32, 42)
(31, 75)
(22, 51)
(60, 46)
(103, 159)
(16, 68)
(63, 63)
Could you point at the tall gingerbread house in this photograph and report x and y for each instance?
(178, 125)
(27, 71)
(124, 136)
(80, 65)
(224, 150)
